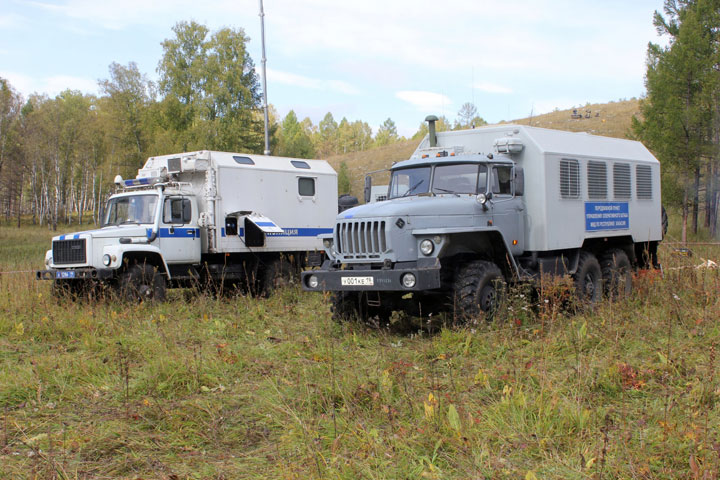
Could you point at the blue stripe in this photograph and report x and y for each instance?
(222, 232)
(265, 224)
(289, 232)
(301, 232)
(177, 233)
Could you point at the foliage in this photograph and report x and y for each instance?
(211, 91)
(343, 179)
(129, 95)
(468, 117)
(680, 115)
(387, 133)
(295, 138)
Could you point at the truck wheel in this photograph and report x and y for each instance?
(344, 306)
(142, 283)
(348, 306)
(478, 287)
(616, 274)
(278, 274)
(67, 289)
(588, 278)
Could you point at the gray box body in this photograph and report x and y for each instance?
(552, 222)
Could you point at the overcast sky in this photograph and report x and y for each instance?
(367, 60)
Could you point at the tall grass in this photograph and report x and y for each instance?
(240, 387)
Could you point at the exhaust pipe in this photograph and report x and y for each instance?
(431, 119)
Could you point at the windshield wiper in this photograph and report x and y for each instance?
(446, 191)
(411, 189)
(129, 221)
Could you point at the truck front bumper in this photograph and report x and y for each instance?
(87, 273)
(426, 276)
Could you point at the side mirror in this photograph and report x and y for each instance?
(368, 188)
(519, 181)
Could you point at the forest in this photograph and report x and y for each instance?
(58, 155)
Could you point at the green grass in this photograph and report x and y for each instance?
(271, 388)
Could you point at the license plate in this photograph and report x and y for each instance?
(357, 281)
(65, 274)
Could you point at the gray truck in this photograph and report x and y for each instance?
(474, 210)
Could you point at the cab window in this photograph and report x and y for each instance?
(459, 178)
(177, 210)
(502, 180)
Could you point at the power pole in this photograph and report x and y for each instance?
(264, 80)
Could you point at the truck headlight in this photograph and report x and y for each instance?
(48, 261)
(427, 247)
(408, 280)
(481, 198)
(327, 243)
(312, 281)
(106, 260)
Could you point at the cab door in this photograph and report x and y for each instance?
(507, 207)
(179, 233)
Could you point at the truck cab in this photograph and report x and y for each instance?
(143, 232)
(443, 208)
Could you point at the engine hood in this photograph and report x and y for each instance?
(115, 231)
(441, 205)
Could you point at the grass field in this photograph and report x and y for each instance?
(240, 387)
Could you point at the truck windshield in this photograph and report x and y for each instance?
(130, 209)
(460, 178)
(409, 181)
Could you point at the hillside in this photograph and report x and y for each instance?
(610, 119)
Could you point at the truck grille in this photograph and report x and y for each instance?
(358, 239)
(68, 251)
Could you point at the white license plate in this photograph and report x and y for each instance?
(65, 274)
(357, 281)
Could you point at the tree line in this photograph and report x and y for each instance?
(58, 156)
(681, 113)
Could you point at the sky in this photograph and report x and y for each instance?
(363, 60)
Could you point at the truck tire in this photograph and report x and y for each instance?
(478, 288)
(68, 289)
(616, 274)
(349, 306)
(588, 278)
(344, 306)
(142, 283)
(279, 273)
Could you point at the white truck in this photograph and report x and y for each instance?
(475, 209)
(202, 218)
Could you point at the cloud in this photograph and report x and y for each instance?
(51, 86)
(491, 88)
(424, 100)
(302, 81)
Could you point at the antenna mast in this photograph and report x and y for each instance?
(264, 79)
